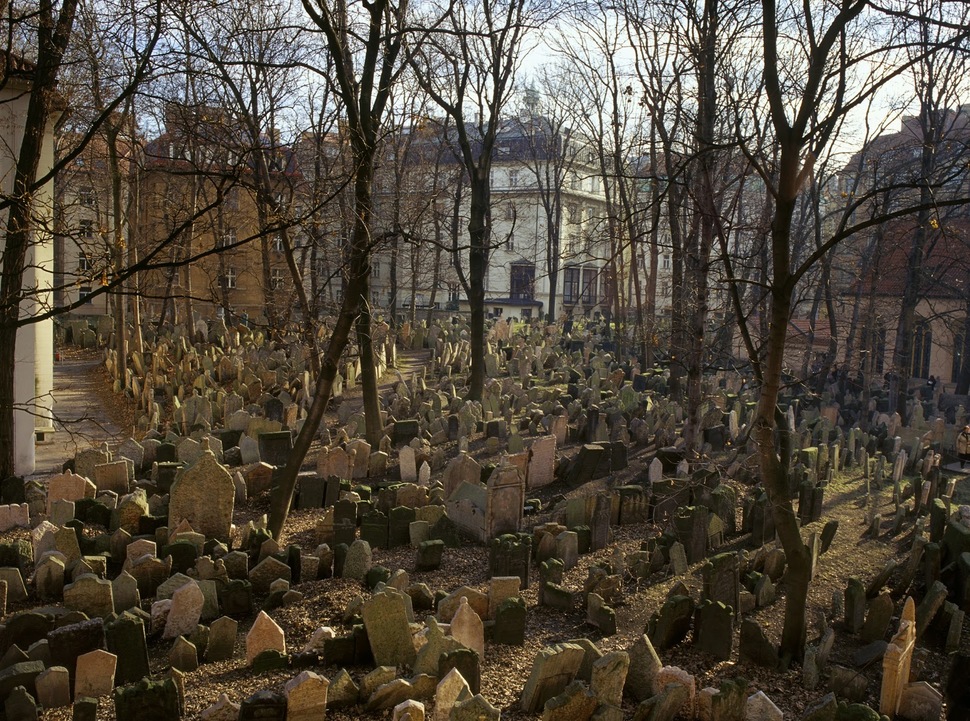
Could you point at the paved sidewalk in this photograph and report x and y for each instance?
(81, 420)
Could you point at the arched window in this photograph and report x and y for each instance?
(922, 348)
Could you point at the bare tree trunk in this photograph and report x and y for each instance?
(698, 259)
(436, 272)
(354, 303)
(187, 253)
(365, 96)
(963, 379)
(368, 373)
(810, 337)
(478, 233)
(395, 255)
(415, 263)
(775, 473)
(118, 248)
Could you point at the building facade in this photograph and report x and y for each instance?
(34, 361)
(214, 247)
(928, 250)
(549, 246)
(84, 239)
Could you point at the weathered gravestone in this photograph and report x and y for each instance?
(386, 622)
(553, 669)
(203, 495)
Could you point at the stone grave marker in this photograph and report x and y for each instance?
(386, 621)
(203, 495)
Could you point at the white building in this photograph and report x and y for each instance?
(547, 201)
(34, 368)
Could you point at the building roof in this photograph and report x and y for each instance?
(218, 137)
(13, 64)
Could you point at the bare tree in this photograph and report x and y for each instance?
(252, 54)
(44, 37)
(468, 69)
(553, 147)
(365, 47)
(939, 77)
(809, 88)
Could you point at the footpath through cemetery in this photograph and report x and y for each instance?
(549, 552)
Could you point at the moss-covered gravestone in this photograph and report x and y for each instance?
(148, 700)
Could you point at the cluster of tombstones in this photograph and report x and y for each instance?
(175, 548)
(170, 541)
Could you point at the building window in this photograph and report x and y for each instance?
(570, 285)
(522, 281)
(572, 211)
(84, 294)
(569, 247)
(589, 286)
(508, 211)
(375, 270)
(574, 182)
(375, 297)
(510, 241)
(922, 348)
(85, 197)
(666, 261)
(227, 239)
(594, 184)
(277, 279)
(84, 264)
(590, 214)
(230, 277)
(277, 243)
(454, 295)
(513, 178)
(87, 229)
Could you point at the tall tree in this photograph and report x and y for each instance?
(364, 44)
(939, 70)
(253, 53)
(468, 69)
(806, 90)
(549, 117)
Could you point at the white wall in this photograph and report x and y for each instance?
(34, 370)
